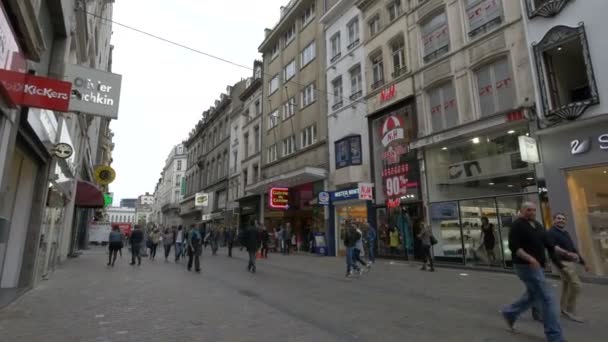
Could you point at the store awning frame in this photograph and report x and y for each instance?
(288, 180)
(88, 195)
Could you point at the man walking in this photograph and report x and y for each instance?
(527, 242)
(250, 238)
(265, 237)
(571, 284)
(135, 240)
(179, 243)
(230, 240)
(372, 235)
(287, 237)
(195, 242)
(350, 240)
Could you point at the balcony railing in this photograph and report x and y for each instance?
(337, 105)
(356, 95)
(377, 84)
(400, 71)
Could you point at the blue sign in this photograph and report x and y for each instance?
(344, 195)
(323, 198)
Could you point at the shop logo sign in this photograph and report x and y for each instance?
(34, 91)
(323, 198)
(366, 191)
(392, 130)
(578, 146)
(279, 198)
(388, 93)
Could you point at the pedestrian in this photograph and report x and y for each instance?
(213, 240)
(114, 245)
(372, 236)
(154, 240)
(250, 238)
(571, 283)
(179, 242)
(265, 237)
(359, 251)
(527, 242)
(136, 239)
(281, 239)
(230, 240)
(393, 240)
(488, 239)
(195, 248)
(287, 237)
(426, 240)
(350, 240)
(167, 242)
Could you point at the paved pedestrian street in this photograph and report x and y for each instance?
(290, 298)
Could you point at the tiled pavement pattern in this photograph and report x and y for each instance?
(290, 298)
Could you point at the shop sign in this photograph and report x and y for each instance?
(388, 93)
(366, 191)
(104, 174)
(578, 146)
(201, 199)
(396, 182)
(392, 130)
(515, 116)
(528, 149)
(279, 198)
(345, 195)
(206, 217)
(323, 198)
(63, 150)
(96, 92)
(34, 91)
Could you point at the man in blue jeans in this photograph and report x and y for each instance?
(371, 241)
(350, 240)
(527, 242)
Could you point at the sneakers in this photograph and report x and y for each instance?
(573, 317)
(510, 322)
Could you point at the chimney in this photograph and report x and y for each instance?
(267, 32)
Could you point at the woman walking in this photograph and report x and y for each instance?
(426, 238)
(488, 238)
(167, 242)
(114, 245)
(154, 240)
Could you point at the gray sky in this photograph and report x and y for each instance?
(165, 88)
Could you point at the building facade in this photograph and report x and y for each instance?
(170, 187)
(294, 120)
(118, 215)
(42, 224)
(566, 48)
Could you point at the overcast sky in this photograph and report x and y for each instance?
(165, 88)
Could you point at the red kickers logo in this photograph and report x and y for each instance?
(34, 91)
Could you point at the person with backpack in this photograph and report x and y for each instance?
(114, 245)
(195, 248)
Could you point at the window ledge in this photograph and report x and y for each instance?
(335, 57)
(353, 44)
(308, 105)
(377, 84)
(337, 105)
(310, 62)
(356, 95)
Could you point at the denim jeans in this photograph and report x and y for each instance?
(537, 290)
(179, 250)
(372, 251)
(350, 263)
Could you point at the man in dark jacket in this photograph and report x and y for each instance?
(135, 240)
(250, 238)
(195, 243)
(350, 240)
(265, 237)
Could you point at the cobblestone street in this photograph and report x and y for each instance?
(293, 298)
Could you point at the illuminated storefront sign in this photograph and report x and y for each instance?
(279, 198)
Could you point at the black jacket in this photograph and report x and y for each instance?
(350, 237)
(137, 237)
(250, 238)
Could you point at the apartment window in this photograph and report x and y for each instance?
(308, 136)
(377, 70)
(565, 73)
(256, 138)
(335, 47)
(444, 112)
(246, 144)
(257, 73)
(308, 54)
(398, 52)
(271, 155)
(273, 119)
(176, 196)
(353, 33)
(245, 177)
(374, 25)
(274, 52)
(483, 15)
(235, 158)
(348, 151)
(289, 71)
(177, 180)
(258, 107)
(273, 85)
(337, 88)
(495, 87)
(290, 34)
(394, 9)
(256, 173)
(289, 145)
(179, 165)
(435, 37)
(308, 15)
(356, 82)
(289, 108)
(308, 95)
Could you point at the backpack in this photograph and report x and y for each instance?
(195, 236)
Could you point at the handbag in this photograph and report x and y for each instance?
(433, 240)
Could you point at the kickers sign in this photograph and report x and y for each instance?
(34, 91)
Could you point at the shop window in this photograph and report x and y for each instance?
(495, 88)
(398, 52)
(483, 15)
(435, 37)
(377, 70)
(348, 151)
(337, 90)
(444, 109)
(565, 73)
(589, 198)
(545, 8)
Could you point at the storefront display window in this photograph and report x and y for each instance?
(396, 231)
(589, 196)
(486, 165)
(357, 214)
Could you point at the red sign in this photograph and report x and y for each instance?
(515, 116)
(366, 191)
(34, 91)
(279, 198)
(388, 93)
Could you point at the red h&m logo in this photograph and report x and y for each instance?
(388, 93)
(34, 91)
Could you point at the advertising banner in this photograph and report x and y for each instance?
(279, 198)
(201, 199)
(34, 91)
(96, 92)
